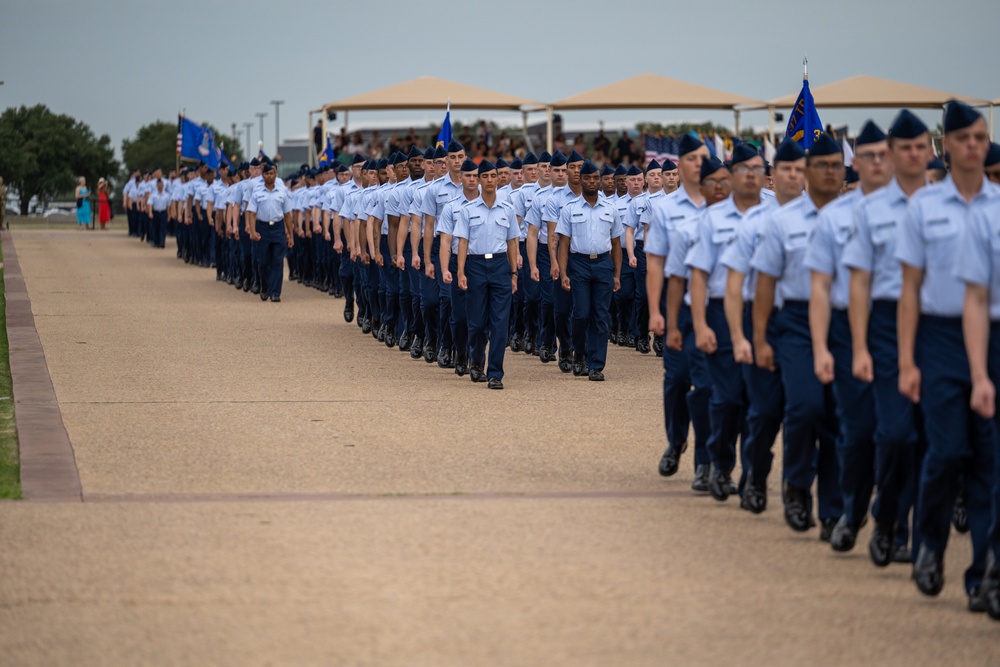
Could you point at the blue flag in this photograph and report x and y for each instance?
(261, 155)
(444, 136)
(804, 124)
(197, 143)
(327, 156)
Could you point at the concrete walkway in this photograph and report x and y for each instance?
(262, 484)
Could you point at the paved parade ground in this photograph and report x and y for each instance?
(263, 484)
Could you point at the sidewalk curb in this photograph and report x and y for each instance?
(48, 464)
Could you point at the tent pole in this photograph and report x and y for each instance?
(770, 124)
(991, 122)
(736, 113)
(524, 129)
(312, 149)
(548, 129)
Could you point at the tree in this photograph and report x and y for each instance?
(155, 145)
(44, 152)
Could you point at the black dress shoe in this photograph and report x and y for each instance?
(928, 572)
(494, 383)
(565, 365)
(390, 339)
(754, 499)
(430, 354)
(658, 345)
(255, 288)
(880, 544)
(444, 359)
(366, 325)
(631, 343)
(991, 588)
(383, 331)
(529, 346)
(416, 348)
(844, 535)
(596, 375)
(515, 343)
(264, 296)
(977, 600)
(826, 529)
(275, 299)
(461, 367)
(642, 345)
(669, 462)
(246, 285)
(405, 341)
(797, 510)
(579, 368)
(349, 315)
(544, 355)
(700, 482)
(902, 554)
(718, 484)
(476, 374)
(960, 513)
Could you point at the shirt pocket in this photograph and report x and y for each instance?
(795, 243)
(883, 232)
(942, 242)
(723, 236)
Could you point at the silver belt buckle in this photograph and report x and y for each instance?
(592, 256)
(271, 223)
(489, 256)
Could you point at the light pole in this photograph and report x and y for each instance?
(248, 126)
(277, 131)
(261, 115)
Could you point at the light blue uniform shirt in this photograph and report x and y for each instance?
(623, 206)
(534, 214)
(782, 250)
(554, 205)
(834, 229)
(350, 203)
(717, 229)
(872, 247)
(440, 192)
(487, 229)
(738, 254)
(589, 228)
(393, 205)
(521, 200)
(416, 204)
(979, 248)
(270, 205)
(664, 215)
(641, 213)
(928, 240)
(445, 223)
(504, 193)
(159, 201)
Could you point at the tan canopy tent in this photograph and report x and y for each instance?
(653, 91)
(427, 92)
(870, 92)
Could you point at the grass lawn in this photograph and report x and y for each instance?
(10, 475)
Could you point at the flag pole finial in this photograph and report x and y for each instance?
(805, 68)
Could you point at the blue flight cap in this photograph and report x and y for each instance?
(255, 162)
(383, 163)
(429, 153)
(992, 155)
(688, 144)
(870, 134)
(455, 147)
(469, 165)
(851, 175)
(530, 158)
(268, 166)
(669, 165)
(366, 166)
(358, 157)
(937, 163)
(440, 153)
(414, 153)
(743, 153)
(825, 145)
(789, 150)
(634, 170)
(958, 116)
(502, 164)
(486, 166)
(544, 158)
(574, 157)
(607, 171)
(767, 168)
(653, 164)
(558, 160)
(620, 170)
(400, 159)
(710, 166)
(516, 164)
(244, 165)
(588, 167)
(907, 126)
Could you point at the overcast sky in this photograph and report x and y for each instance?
(118, 65)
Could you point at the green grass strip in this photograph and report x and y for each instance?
(10, 469)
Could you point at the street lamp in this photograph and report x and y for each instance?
(248, 126)
(277, 131)
(261, 115)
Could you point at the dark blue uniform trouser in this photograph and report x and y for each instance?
(546, 287)
(160, 227)
(899, 440)
(994, 370)
(488, 309)
(562, 313)
(130, 216)
(727, 408)
(626, 299)
(459, 317)
(430, 301)
(959, 443)
(640, 307)
(856, 420)
(592, 284)
(765, 406)
(372, 281)
(271, 256)
(810, 433)
(517, 302)
(445, 337)
(532, 295)
(687, 390)
(389, 285)
(415, 320)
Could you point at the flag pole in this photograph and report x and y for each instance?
(177, 154)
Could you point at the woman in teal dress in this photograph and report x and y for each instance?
(82, 202)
